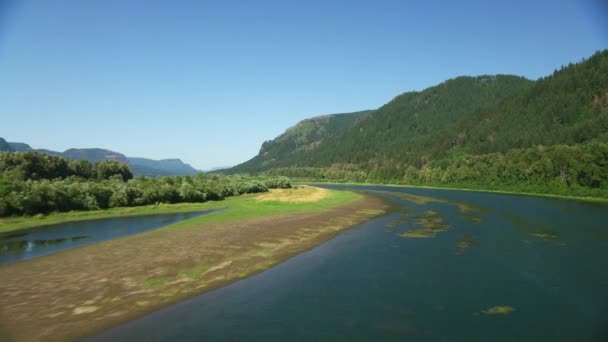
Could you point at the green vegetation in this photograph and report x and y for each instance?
(464, 243)
(430, 224)
(236, 208)
(498, 310)
(545, 234)
(243, 207)
(33, 183)
(490, 132)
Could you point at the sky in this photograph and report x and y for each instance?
(209, 81)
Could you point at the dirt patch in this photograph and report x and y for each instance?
(82, 291)
(300, 195)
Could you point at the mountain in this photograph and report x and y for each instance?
(5, 146)
(139, 166)
(156, 168)
(410, 124)
(216, 169)
(306, 136)
(94, 155)
(20, 147)
(492, 131)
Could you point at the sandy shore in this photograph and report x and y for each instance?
(82, 291)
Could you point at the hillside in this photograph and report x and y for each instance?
(395, 131)
(157, 168)
(5, 146)
(306, 136)
(442, 134)
(139, 166)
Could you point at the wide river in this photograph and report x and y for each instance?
(442, 266)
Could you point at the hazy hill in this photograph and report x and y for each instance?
(164, 167)
(20, 147)
(5, 146)
(139, 166)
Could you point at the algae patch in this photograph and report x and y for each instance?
(464, 243)
(420, 200)
(396, 223)
(498, 310)
(545, 235)
(431, 224)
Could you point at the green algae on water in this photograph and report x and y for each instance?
(545, 235)
(498, 310)
(431, 224)
(464, 243)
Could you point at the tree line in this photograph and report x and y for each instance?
(580, 169)
(33, 183)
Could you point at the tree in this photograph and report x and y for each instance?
(108, 168)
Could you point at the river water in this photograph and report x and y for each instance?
(51, 239)
(492, 267)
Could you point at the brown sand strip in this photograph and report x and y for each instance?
(82, 291)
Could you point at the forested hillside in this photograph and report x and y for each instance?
(498, 132)
(306, 136)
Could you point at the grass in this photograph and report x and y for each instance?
(155, 282)
(238, 207)
(293, 195)
(277, 201)
(248, 206)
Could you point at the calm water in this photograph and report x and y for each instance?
(370, 283)
(55, 238)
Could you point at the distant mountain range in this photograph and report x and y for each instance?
(139, 166)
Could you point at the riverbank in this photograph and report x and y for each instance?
(79, 292)
(503, 192)
(19, 223)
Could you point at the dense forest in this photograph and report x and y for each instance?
(33, 183)
(493, 132)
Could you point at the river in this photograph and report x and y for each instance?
(442, 266)
(51, 239)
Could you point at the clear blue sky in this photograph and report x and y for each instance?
(208, 82)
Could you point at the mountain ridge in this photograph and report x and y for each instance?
(139, 166)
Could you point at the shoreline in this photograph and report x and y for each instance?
(503, 192)
(18, 224)
(80, 292)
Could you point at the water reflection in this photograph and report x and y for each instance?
(12, 246)
(45, 240)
